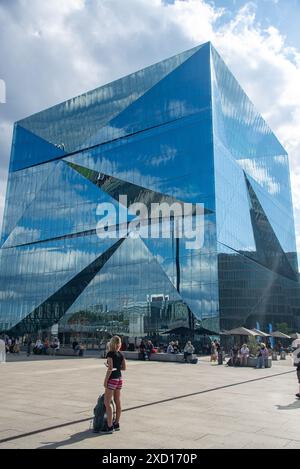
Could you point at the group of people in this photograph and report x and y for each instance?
(39, 347)
(188, 349)
(239, 355)
(173, 347)
(146, 350)
(12, 344)
(43, 347)
(77, 347)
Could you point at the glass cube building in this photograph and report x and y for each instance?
(180, 130)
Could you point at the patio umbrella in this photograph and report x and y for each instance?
(182, 330)
(260, 333)
(241, 331)
(179, 331)
(279, 335)
(295, 336)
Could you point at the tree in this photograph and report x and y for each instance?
(253, 345)
(283, 327)
(83, 318)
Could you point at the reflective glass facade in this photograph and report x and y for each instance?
(182, 130)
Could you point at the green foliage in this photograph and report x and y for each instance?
(83, 317)
(252, 345)
(283, 327)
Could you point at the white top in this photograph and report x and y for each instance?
(295, 358)
(189, 348)
(244, 351)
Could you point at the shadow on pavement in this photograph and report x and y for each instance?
(75, 438)
(293, 405)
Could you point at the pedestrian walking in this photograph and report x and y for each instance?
(29, 343)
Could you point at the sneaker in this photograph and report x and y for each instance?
(116, 426)
(108, 430)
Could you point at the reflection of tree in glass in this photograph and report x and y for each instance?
(83, 317)
(283, 327)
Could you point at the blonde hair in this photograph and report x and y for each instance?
(115, 343)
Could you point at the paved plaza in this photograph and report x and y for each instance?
(166, 405)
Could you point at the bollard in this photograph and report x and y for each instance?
(282, 355)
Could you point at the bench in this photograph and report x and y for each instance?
(65, 352)
(131, 355)
(160, 357)
(252, 362)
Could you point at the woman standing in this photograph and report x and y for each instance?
(113, 382)
(262, 357)
(213, 352)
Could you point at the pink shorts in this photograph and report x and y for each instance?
(115, 383)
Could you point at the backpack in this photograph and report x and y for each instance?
(100, 418)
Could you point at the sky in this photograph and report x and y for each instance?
(53, 50)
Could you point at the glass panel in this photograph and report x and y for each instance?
(71, 125)
(180, 130)
(258, 272)
(31, 274)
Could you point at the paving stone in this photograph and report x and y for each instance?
(48, 392)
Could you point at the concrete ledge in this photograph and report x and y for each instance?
(159, 357)
(65, 351)
(131, 355)
(252, 362)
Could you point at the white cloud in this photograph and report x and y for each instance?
(54, 50)
(261, 175)
(2, 200)
(269, 72)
